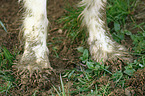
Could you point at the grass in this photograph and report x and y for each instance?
(89, 78)
(6, 77)
(61, 91)
(86, 76)
(72, 24)
(118, 12)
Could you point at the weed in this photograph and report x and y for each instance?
(138, 40)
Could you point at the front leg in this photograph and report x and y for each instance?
(102, 46)
(35, 24)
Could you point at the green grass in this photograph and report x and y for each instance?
(61, 91)
(118, 11)
(6, 77)
(72, 24)
(6, 58)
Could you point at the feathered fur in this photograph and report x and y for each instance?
(102, 46)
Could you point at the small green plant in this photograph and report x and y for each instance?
(138, 40)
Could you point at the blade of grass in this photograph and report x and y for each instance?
(3, 26)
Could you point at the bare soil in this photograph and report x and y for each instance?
(63, 55)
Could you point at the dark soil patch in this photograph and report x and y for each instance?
(10, 15)
(135, 86)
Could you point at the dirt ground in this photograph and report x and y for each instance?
(62, 54)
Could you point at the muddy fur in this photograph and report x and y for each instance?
(101, 45)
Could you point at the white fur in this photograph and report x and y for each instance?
(35, 32)
(91, 19)
(101, 44)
